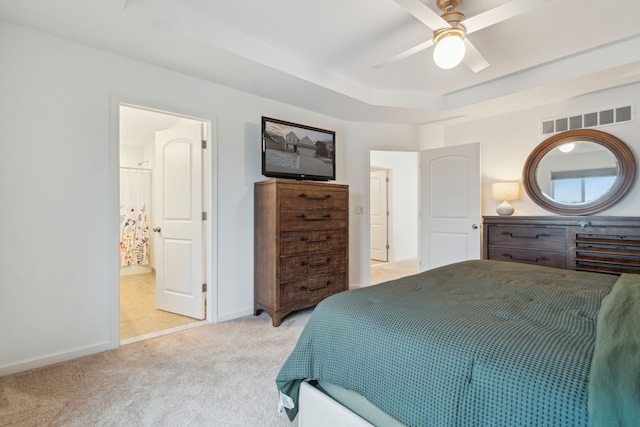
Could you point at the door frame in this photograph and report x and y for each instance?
(210, 185)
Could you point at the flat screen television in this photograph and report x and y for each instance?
(295, 151)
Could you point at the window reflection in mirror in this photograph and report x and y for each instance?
(576, 175)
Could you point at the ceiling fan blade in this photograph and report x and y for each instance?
(407, 53)
(472, 57)
(501, 13)
(424, 14)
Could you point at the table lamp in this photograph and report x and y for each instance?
(505, 191)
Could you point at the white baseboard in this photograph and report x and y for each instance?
(411, 258)
(234, 315)
(135, 269)
(50, 359)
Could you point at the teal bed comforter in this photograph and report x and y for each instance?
(477, 343)
(614, 384)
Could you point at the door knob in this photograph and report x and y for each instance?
(474, 226)
(157, 229)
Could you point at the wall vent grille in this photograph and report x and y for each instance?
(606, 117)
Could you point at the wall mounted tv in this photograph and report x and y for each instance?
(291, 150)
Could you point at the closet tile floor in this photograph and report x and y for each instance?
(138, 313)
(385, 271)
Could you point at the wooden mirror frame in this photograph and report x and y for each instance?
(624, 179)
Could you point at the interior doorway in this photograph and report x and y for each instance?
(142, 242)
(394, 184)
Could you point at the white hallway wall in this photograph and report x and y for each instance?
(57, 165)
(403, 196)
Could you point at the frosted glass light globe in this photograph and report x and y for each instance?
(569, 146)
(449, 52)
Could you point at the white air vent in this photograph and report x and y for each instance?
(589, 120)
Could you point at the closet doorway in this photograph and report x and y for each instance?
(161, 279)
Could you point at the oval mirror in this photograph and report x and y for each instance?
(578, 172)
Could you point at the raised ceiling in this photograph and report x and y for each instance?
(320, 55)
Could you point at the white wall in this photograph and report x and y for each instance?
(59, 167)
(403, 199)
(131, 155)
(507, 140)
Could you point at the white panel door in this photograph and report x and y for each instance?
(449, 205)
(379, 215)
(178, 221)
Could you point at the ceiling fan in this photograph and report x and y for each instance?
(450, 30)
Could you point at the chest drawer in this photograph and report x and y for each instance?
(303, 242)
(299, 219)
(547, 238)
(295, 267)
(545, 258)
(294, 197)
(312, 290)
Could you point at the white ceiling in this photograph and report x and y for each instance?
(138, 126)
(319, 55)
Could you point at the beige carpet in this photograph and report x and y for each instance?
(213, 375)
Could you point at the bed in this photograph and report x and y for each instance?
(477, 343)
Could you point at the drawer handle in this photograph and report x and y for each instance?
(306, 264)
(322, 218)
(308, 240)
(584, 224)
(306, 288)
(306, 196)
(540, 258)
(507, 233)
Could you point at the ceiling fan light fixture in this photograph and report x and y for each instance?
(568, 147)
(449, 48)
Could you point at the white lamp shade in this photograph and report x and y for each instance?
(449, 52)
(505, 191)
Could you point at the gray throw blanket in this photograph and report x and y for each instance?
(478, 343)
(614, 385)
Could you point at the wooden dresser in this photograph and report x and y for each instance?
(589, 243)
(300, 244)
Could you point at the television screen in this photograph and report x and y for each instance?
(291, 150)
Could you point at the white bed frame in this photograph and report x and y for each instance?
(319, 410)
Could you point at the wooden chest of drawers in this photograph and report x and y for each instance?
(588, 243)
(528, 244)
(300, 245)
